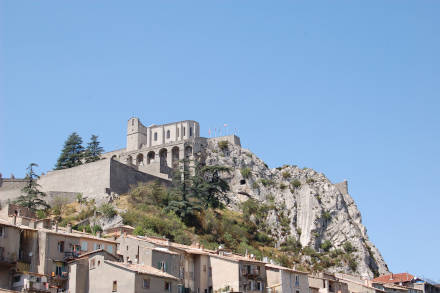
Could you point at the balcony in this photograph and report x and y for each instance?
(69, 255)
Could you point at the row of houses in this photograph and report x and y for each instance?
(38, 256)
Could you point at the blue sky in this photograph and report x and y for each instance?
(349, 88)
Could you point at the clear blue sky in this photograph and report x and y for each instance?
(349, 88)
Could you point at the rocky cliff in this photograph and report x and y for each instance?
(309, 208)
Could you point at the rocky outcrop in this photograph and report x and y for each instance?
(317, 210)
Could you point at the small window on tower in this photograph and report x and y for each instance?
(155, 136)
(190, 131)
(168, 134)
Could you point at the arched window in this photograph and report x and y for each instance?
(168, 134)
(155, 136)
(190, 131)
(177, 131)
(150, 157)
(140, 159)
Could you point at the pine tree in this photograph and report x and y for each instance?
(72, 153)
(31, 195)
(94, 150)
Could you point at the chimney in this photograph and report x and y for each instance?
(14, 219)
(56, 226)
(69, 228)
(84, 230)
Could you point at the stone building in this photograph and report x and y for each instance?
(157, 149)
(285, 280)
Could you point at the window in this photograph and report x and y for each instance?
(84, 246)
(184, 131)
(155, 136)
(59, 270)
(146, 284)
(190, 131)
(115, 286)
(296, 281)
(99, 263)
(167, 286)
(168, 134)
(110, 248)
(162, 265)
(132, 122)
(210, 271)
(177, 132)
(97, 246)
(61, 246)
(259, 287)
(16, 279)
(1, 231)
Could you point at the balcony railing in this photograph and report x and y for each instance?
(68, 255)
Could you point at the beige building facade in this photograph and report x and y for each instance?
(285, 280)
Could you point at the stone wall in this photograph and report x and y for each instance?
(10, 188)
(232, 139)
(96, 180)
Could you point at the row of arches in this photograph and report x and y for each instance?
(163, 154)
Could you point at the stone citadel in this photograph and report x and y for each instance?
(151, 153)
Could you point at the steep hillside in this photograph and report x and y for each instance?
(307, 207)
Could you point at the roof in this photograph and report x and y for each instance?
(191, 249)
(142, 269)
(120, 226)
(285, 269)
(77, 234)
(87, 254)
(394, 278)
(23, 227)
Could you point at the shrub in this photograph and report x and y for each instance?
(326, 245)
(283, 186)
(107, 210)
(296, 183)
(326, 216)
(245, 172)
(352, 264)
(285, 175)
(309, 251)
(310, 180)
(266, 182)
(255, 185)
(249, 155)
(223, 145)
(348, 247)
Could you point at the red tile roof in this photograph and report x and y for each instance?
(394, 278)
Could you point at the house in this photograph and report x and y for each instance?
(119, 231)
(112, 276)
(357, 284)
(190, 264)
(236, 273)
(79, 270)
(57, 246)
(285, 280)
(30, 282)
(326, 283)
(413, 284)
(18, 251)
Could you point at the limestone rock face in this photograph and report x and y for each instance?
(317, 209)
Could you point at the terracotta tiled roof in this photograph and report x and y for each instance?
(143, 269)
(285, 269)
(394, 278)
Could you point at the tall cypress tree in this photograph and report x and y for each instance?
(72, 153)
(94, 150)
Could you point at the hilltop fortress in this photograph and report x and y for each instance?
(158, 149)
(151, 153)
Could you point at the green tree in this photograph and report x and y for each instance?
(72, 153)
(31, 196)
(94, 150)
(207, 186)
